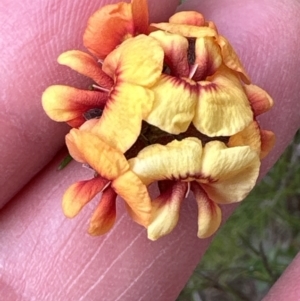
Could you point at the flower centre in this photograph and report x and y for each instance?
(153, 135)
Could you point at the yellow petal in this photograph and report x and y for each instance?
(86, 65)
(121, 121)
(165, 210)
(208, 58)
(268, 140)
(188, 31)
(231, 60)
(209, 213)
(89, 148)
(107, 28)
(259, 99)
(104, 216)
(249, 136)
(63, 103)
(174, 104)
(80, 193)
(228, 174)
(179, 160)
(223, 108)
(143, 69)
(129, 187)
(188, 18)
(175, 48)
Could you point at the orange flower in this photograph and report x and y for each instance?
(112, 24)
(215, 173)
(203, 83)
(126, 80)
(180, 77)
(113, 178)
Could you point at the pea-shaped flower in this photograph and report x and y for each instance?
(113, 177)
(126, 99)
(215, 174)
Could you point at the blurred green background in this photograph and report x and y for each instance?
(257, 243)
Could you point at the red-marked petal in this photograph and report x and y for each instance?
(63, 103)
(121, 121)
(259, 99)
(135, 194)
(176, 52)
(188, 18)
(208, 58)
(223, 108)
(107, 28)
(209, 213)
(80, 193)
(178, 160)
(174, 104)
(89, 148)
(231, 60)
(140, 16)
(268, 140)
(104, 216)
(86, 65)
(165, 210)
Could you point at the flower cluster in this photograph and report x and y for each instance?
(171, 103)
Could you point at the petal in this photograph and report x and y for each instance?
(104, 216)
(268, 140)
(174, 104)
(89, 148)
(231, 60)
(143, 69)
(85, 64)
(121, 121)
(209, 213)
(140, 16)
(223, 108)
(228, 174)
(188, 31)
(165, 210)
(208, 58)
(179, 160)
(188, 18)
(80, 193)
(129, 187)
(259, 99)
(249, 136)
(175, 48)
(63, 103)
(107, 28)
(212, 25)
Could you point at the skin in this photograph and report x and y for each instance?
(45, 256)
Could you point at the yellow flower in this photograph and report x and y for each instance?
(126, 79)
(215, 173)
(204, 81)
(113, 177)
